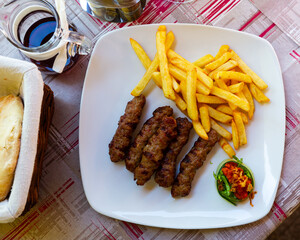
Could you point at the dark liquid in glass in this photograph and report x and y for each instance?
(38, 34)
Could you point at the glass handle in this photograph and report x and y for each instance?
(78, 44)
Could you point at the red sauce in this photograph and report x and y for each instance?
(241, 185)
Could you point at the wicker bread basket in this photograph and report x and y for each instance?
(23, 79)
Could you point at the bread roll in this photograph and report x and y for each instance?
(11, 116)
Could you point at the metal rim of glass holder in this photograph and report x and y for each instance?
(110, 14)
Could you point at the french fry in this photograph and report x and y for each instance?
(240, 127)
(258, 94)
(226, 147)
(180, 102)
(177, 72)
(235, 136)
(235, 88)
(157, 79)
(183, 90)
(146, 78)
(201, 98)
(219, 129)
(163, 63)
(244, 118)
(225, 109)
(237, 76)
(225, 67)
(201, 62)
(249, 98)
(141, 54)
(220, 61)
(221, 84)
(181, 76)
(219, 116)
(230, 97)
(185, 65)
(204, 116)
(152, 68)
(199, 130)
(244, 67)
(191, 101)
(175, 84)
(223, 49)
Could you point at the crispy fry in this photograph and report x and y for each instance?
(152, 68)
(258, 94)
(235, 88)
(237, 76)
(204, 116)
(219, 116)
(191, 94)
(244, 118)
(199, 130)
(175, 84)
(235, 136)
(249, 98)
(163, 64)
(222, 131)
(220, 61)
(226, 147)
(180, 102)
(201, 62)
(223, 49)
(185, 65)
(141, 54)
(225, 67)
(243, 66)
(146, 78)
(181, 75)
(201, 98)
(221, 84)
(230, 97)
(225, 109)
(240, 127)
(157, 79)
(183, 89)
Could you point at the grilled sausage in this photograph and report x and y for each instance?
(165, 175)
(153, 151)
(193, 161)
(126, 126)
(149, 128)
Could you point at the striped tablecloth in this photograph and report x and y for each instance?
(63, 211)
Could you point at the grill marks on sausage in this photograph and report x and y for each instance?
(154, 150)
(126, 126)
(191, 163)
(165, 175)
(149, 128)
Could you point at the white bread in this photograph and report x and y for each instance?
(11, 116)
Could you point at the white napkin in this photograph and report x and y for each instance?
(20, 77)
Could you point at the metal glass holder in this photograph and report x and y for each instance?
(114, 14)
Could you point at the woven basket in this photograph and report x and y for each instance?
(45, 122)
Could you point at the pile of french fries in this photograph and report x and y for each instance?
(211, 91)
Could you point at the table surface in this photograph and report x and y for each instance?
(63, 211)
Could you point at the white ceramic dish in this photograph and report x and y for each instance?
(113, 72)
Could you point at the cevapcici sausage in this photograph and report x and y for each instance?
(127, 124)
(165, 175)
(154, 150)
(149, 128)
(192, 161)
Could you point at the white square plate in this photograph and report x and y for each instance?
(113, 72)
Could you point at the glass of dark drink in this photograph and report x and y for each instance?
(35, 28)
